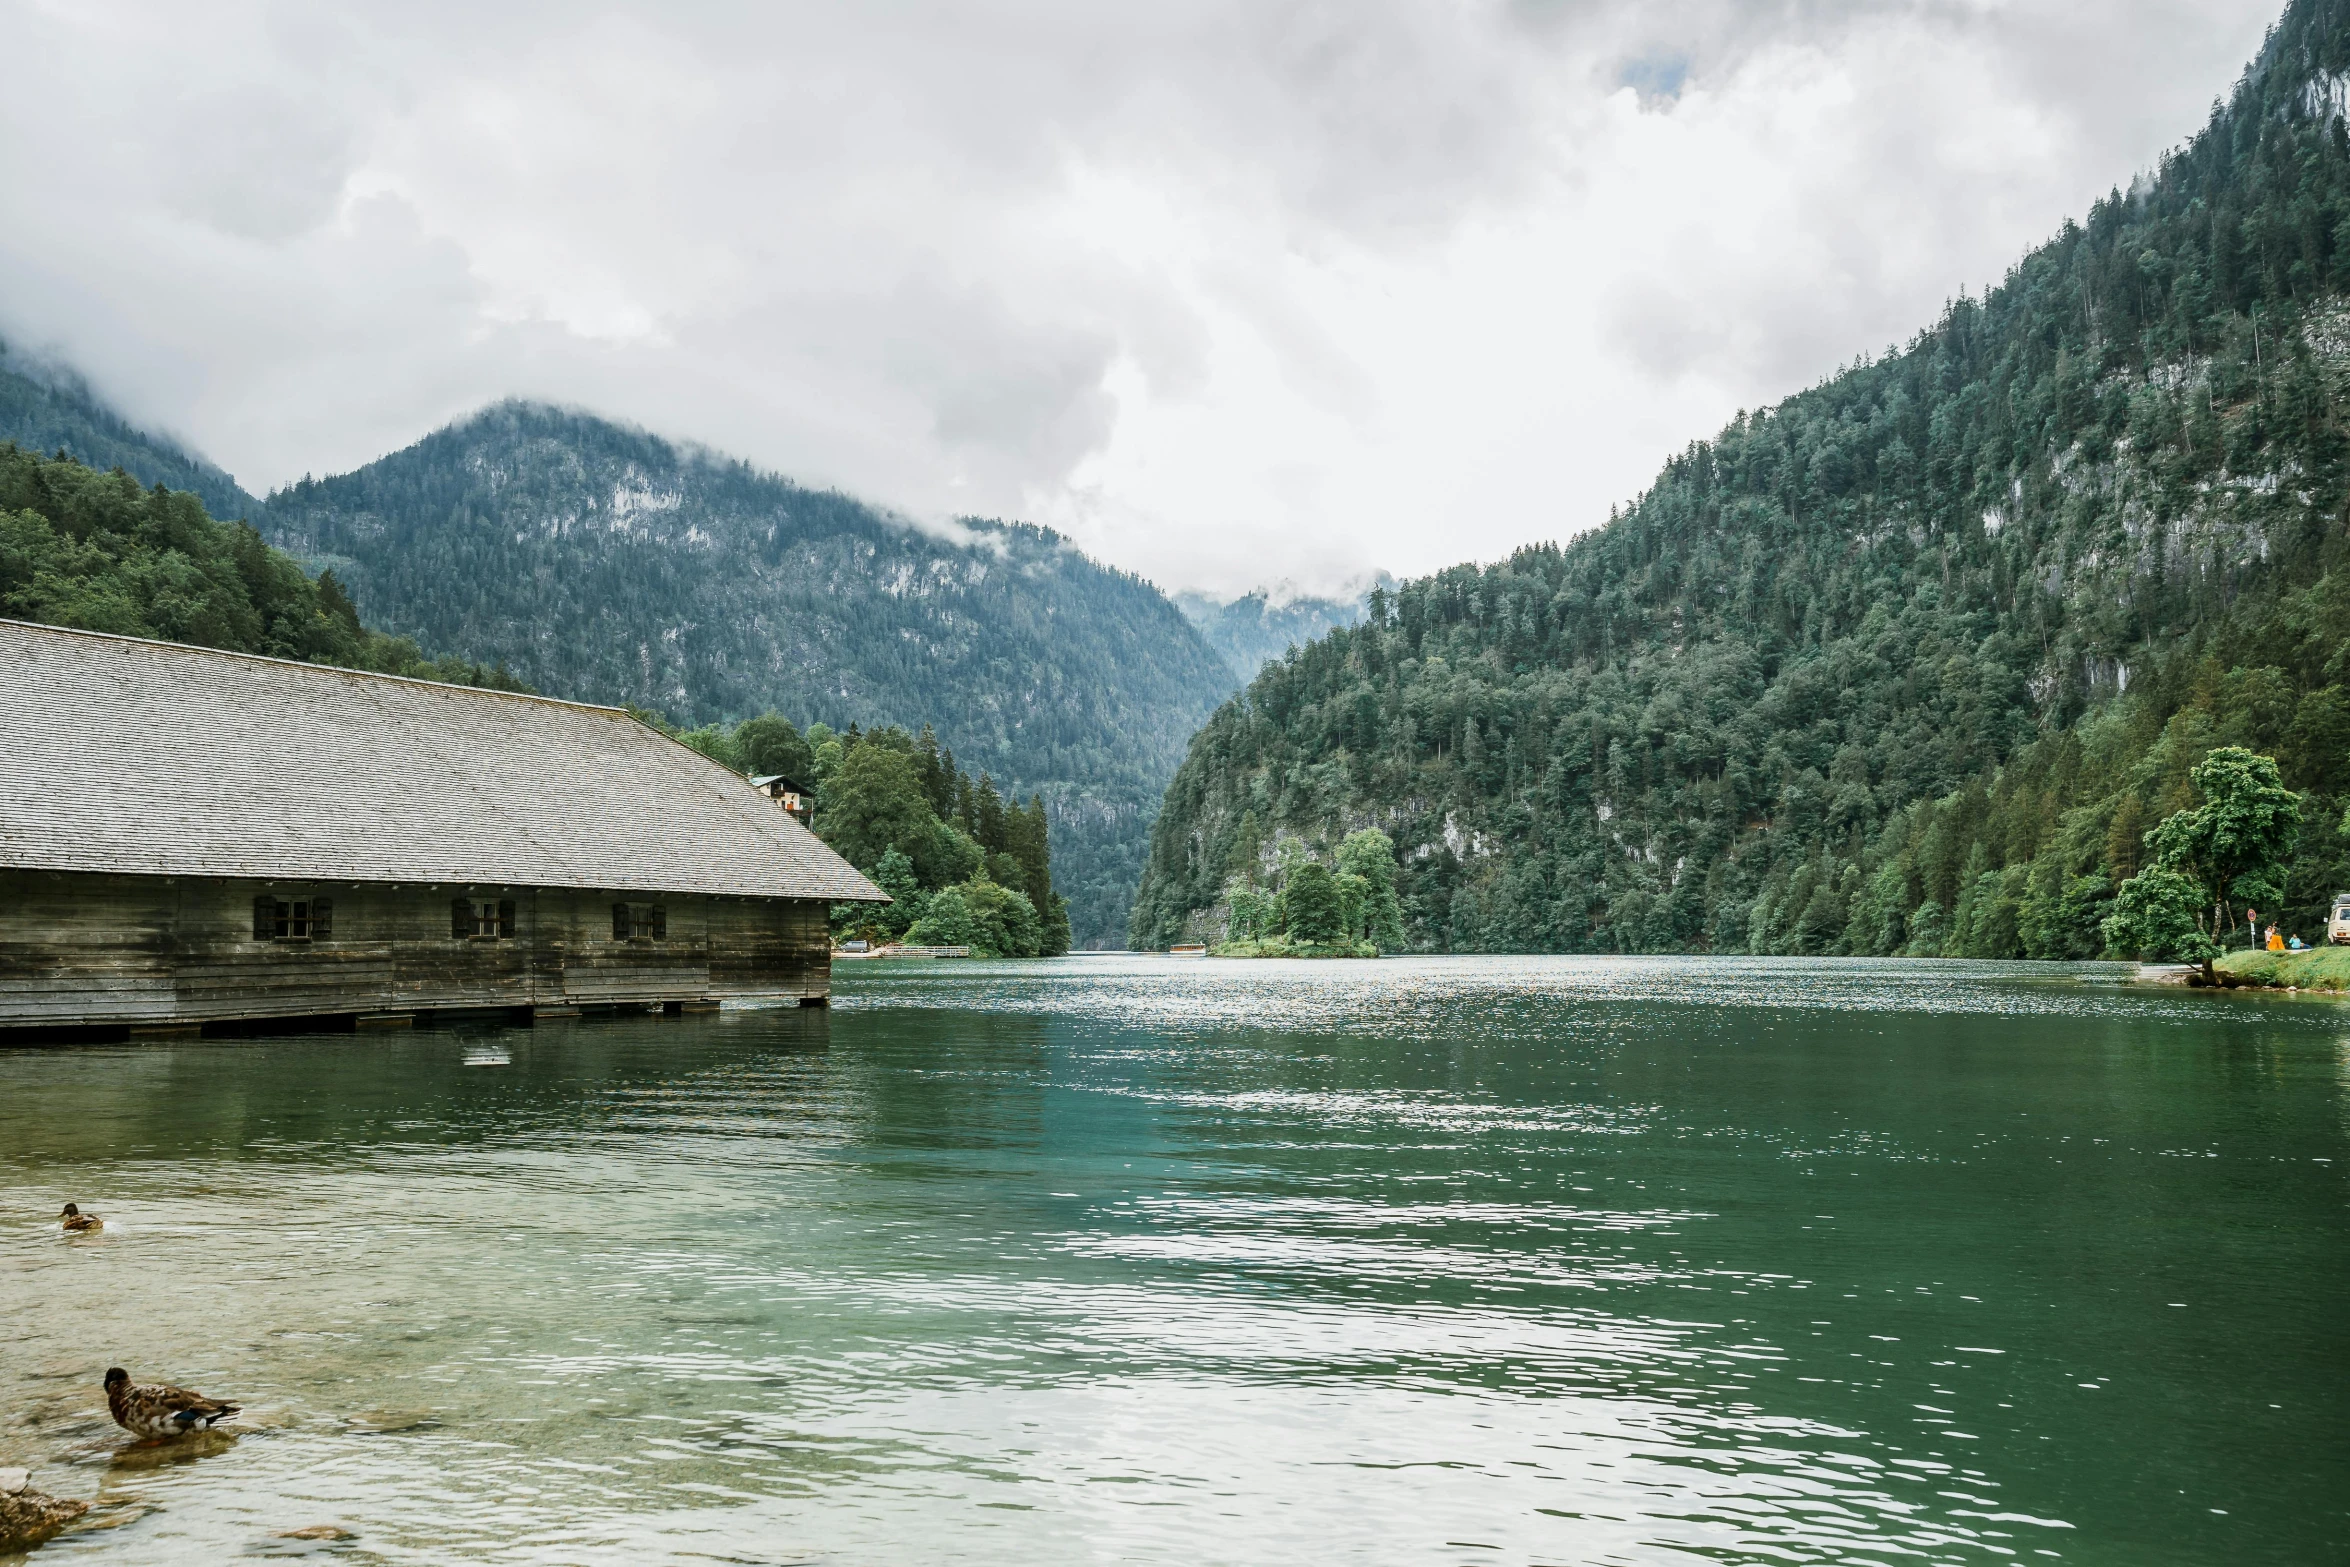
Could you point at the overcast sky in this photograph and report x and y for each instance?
(1231, 291)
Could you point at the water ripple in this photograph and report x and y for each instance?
(1537, 1260)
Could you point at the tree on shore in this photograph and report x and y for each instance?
(964, 865)
(2159, 914)
(1370, 855)
(1250, 916)
(2229, 852)
(1312, 903)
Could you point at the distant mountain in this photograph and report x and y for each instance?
(1251, 631)
(607, 564)
(99, 551)
(1908, 663)
(46, 408)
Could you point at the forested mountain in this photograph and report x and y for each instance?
(1251, 631)
(605, 564)
(98, 552)
(1908, 663)
(963, 866)
(46, 408)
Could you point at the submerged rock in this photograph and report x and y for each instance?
(27, 1516)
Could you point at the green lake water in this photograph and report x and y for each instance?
(1101, 1260)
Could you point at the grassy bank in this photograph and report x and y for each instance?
(2319, 968)
(1283, 947)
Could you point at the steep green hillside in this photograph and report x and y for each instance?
(1907, 663)
(1251, 631)
(609, 565)
(950, 851)
(47, 409)
(97, 552)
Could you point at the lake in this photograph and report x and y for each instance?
(1537, 1260)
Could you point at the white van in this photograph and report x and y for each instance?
(2338, 928)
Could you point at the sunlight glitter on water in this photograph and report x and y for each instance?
(1523, 1260)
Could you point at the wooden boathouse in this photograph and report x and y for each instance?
(192, 838)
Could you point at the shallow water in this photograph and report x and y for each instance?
(1451, 1260)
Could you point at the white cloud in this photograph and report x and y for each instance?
(1232, 292)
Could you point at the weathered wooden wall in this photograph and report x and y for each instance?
(78, 949)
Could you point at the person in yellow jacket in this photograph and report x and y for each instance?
(2276, 943)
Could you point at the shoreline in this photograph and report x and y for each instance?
(2312, 968)
(1281, 947)
(2317, 970)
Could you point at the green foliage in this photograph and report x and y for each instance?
(945, 922)
(2234, 845)
(1310, 908)
(1908, 663)
(609, 565)
(993, 921)
(2060, 918)
(713, 742)
(1003, 922)
(2231, 849)
(2319, 968)
(894, 874)
(1250, 912)
(1312, 905)
(871, 803)
(1282, 946)
(96, 552)
(768, 745)
(2158, 914)
(1369, 855)
(951, 852)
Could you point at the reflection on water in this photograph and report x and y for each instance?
(1540, 1260)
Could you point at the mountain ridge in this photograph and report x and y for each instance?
(1250, 630)
(1056, 673)
(1904, 663)
(607, 562)
(47, 407)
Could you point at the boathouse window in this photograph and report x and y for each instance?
(640, 922)
(481, 919)
(292, 919)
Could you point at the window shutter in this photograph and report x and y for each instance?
(619, 922)
(264, 918)
(505, 916)
(461, 919)
(322, 921)
(660, 923)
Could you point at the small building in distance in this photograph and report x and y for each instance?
(790, 793)
(190, 837)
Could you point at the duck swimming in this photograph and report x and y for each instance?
(151, 1409)
(78, 1222)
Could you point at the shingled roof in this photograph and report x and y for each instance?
(133, 757)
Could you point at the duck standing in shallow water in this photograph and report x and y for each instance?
(77, 1222)
(151, 1409)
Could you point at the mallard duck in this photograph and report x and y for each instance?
(151, 1409)
(77, 1221)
